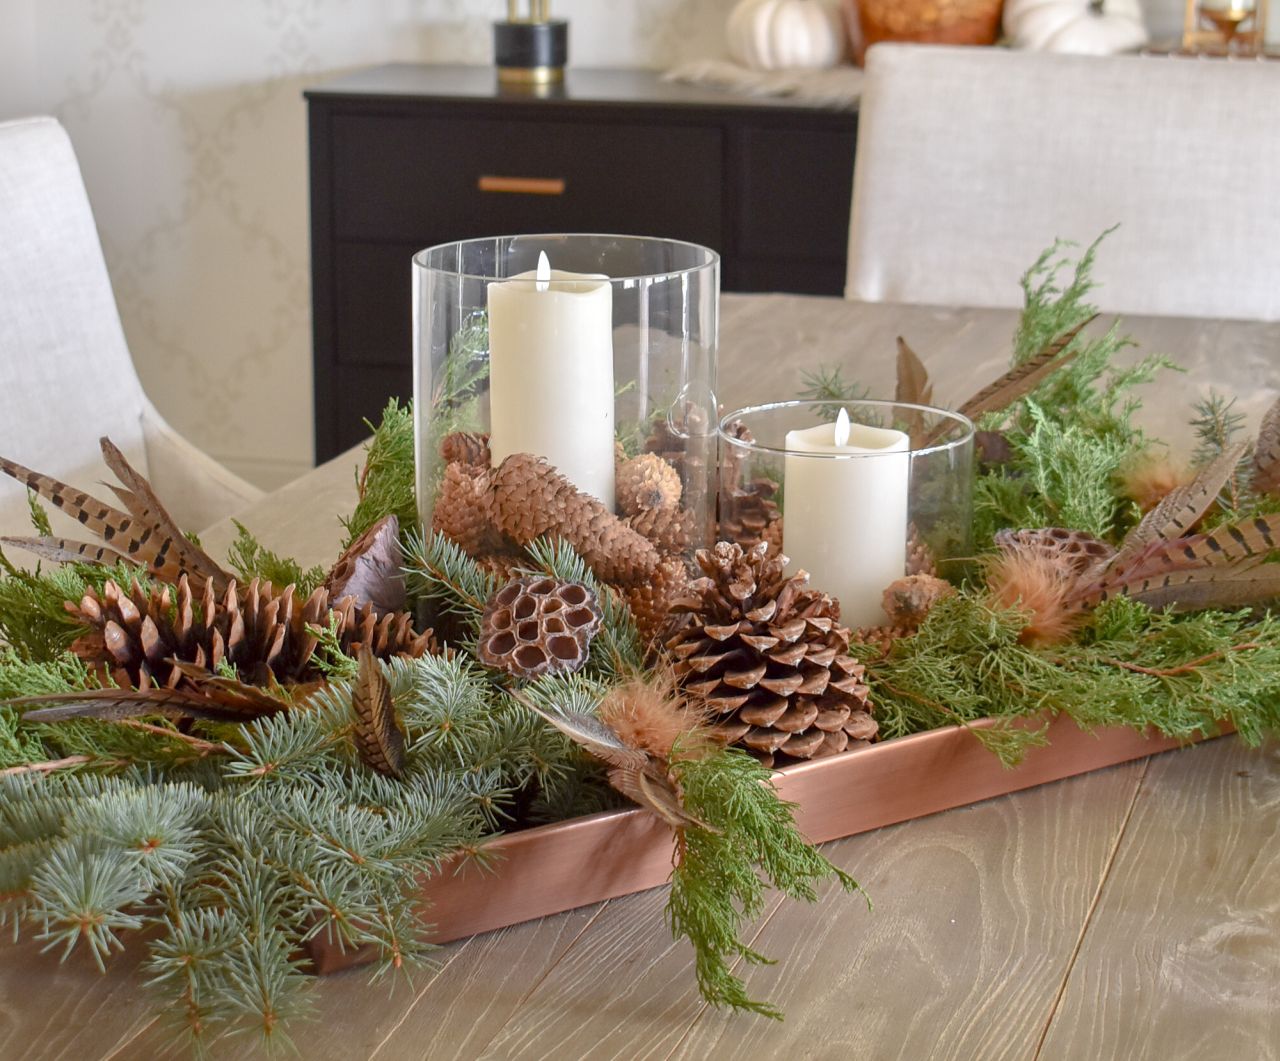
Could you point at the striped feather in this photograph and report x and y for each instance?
(142, 502)
(106, 522)
(1024, 378)
(1233, 556)
(1181, 509)
(111, 705)
(65, 551)
(1266, 453)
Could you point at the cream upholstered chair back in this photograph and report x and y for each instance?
(971, 161)
(66, 377)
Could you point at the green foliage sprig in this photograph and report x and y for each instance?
(250, 559)
(720, 880)
(1129, 667)
(386, 482)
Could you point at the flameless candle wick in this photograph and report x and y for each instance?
(841, 434)
(542, 278)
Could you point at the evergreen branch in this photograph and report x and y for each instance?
(440, 572)
(385, 484)
(203, 747)
(250, 560)
(49, 766)
(827, 384)
(720, 877)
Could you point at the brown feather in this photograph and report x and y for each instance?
(106, 522)
(1178, 572)
(110, 705)
(1024, 378)
(145, 506)
(377, 736)
(1266, 454)
(65, 551)
(913, 388)
(655, 795)
(1180, 511)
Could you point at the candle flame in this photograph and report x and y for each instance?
(542, 279)
(841, 434)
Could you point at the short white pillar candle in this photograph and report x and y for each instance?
(551, 373)
(845, 500)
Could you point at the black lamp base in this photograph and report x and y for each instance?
(530, 53)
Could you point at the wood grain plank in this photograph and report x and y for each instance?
(625, 991)
(977, 913)
(450, 1013)
(51, 1010)
(1182, 957)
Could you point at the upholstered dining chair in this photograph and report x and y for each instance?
(66, 377)
(970, 161)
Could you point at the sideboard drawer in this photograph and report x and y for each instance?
(398, 175)
(795, 194)
(373, 303)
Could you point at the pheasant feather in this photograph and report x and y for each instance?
(1266, 454)
(1024, 378)
(377, 736)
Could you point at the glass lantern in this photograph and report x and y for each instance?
(858, 494)
(586, 350)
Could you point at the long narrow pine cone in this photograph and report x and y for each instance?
(650, 601)
(141, 639)
(769, 657)
(462, 512)
(531, 499)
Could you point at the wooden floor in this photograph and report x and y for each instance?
(1127, 914)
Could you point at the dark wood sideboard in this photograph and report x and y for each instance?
(406, 156)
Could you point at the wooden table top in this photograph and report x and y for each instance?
(1129, 913)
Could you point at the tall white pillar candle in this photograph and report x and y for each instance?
(551, 374)
(845, 512)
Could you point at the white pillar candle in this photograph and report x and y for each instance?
(845, 512)
(551, 373)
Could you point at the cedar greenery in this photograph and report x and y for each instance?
(250, 560)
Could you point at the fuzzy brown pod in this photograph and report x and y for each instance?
(538, 625)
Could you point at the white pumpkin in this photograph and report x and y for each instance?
(1082, 27)
(786, 34)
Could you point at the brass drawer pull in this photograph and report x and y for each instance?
(522, 185)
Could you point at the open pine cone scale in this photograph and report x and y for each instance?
(768, 657)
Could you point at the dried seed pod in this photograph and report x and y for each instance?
(909, 600)
(538, 625)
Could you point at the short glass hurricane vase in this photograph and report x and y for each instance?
(582, 349)
(858, 494)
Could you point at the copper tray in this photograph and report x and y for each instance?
(558, 867)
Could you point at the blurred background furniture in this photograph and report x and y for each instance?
(972, 160)
(67, 375)
(407, 156)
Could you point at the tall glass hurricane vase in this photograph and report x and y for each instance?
(586, 350)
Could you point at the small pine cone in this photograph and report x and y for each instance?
(879, 639)
(650, 601)
(669, 528)
(646, 482)
(538, 625)
(909, 600)
(531, 499)
(767, 655)
(466, 447)
(748, 516)
(920, 560)
(462, 511)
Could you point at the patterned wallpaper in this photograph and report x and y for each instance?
(190, 127)
(191, 131)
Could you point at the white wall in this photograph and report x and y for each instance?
(191, 129)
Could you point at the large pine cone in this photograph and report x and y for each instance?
(142, 639)
(769, 656)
